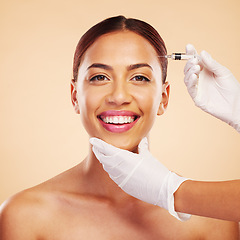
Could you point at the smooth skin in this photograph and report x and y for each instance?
(83, 202)
(210, 199)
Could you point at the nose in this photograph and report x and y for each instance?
(119, 95)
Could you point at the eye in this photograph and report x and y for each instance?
(99, 78)
(140, 78)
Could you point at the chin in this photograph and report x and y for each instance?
(131, 148)
(123, 143)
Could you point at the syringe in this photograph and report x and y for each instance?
(180, 56)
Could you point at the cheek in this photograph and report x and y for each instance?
(149, 99)
(89, 100)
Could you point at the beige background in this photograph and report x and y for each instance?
(41, 135)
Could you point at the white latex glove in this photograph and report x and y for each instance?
(213, 87)
(140, 175)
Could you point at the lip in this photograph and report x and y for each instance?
(118, 113)
(118, 128)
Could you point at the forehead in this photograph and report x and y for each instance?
(121, 47)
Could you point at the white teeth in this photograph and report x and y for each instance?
(115, 120)
(121, 120)
(118, 119)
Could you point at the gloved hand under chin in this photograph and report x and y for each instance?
(213, 87)
(140, 175)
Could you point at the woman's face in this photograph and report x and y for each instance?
(119, 90)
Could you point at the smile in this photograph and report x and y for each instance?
(118, 121)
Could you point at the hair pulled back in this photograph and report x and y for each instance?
(120, 23)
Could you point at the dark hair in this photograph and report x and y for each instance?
(120, 23)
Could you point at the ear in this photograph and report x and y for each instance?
(74, 96)
(165, 98)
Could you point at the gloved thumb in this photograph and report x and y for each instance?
(213, 66)
(143, 146)
(190, 49)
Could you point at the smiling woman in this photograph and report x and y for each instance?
(120, 83)
(119, 88)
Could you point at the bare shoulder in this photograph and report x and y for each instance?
(33, 213)
(20, 216)
(211, 228)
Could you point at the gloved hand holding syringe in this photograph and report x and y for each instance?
(215, 90)
(212, 86)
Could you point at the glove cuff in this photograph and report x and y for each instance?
(236, 126)
(171, 184)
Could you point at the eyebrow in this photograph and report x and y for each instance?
(100, 65)
(138, 65)
(129, 68)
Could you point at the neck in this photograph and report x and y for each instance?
(98, 181)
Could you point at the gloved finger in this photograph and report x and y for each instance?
(192, 85)
(103, 147)
(190, 49)
(214, 66)
(97, 153)
(107, 161)
(190, 63)
(196, 69)
(143, 146)
(108, 165)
